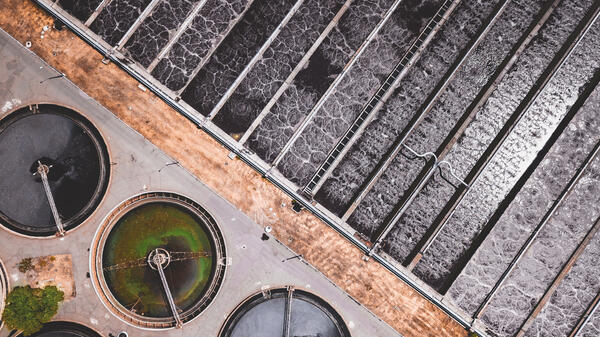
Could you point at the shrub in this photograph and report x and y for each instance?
(27, 309)
(42, 263)
(25, 265)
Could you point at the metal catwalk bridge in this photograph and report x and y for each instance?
(43, 171)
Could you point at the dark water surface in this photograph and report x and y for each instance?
(55, 139)
(260, 317)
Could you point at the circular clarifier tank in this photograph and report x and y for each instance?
(3, 289)
(64, 329)
(50, 157)
(158, 260)
(284, 312)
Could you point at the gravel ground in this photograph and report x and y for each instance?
(81, 9)
(323, 67)
(208, 28)
(462, 90)
(116, 18)
(380, 134)
(528, 208)
(238, 48)
(519, 149)
(357, 86)
(278, 61)
(154, 33)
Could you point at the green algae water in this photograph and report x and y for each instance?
(143, 229)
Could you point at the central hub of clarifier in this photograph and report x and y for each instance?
(158, 260)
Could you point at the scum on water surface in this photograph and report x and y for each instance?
(143, 229)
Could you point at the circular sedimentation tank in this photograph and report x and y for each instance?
(64, 329)
(73, 157)
(272, 312)
(157, 260)
(4, 286)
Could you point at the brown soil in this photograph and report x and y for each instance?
(56, 270)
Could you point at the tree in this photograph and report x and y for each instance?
(27, 309)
